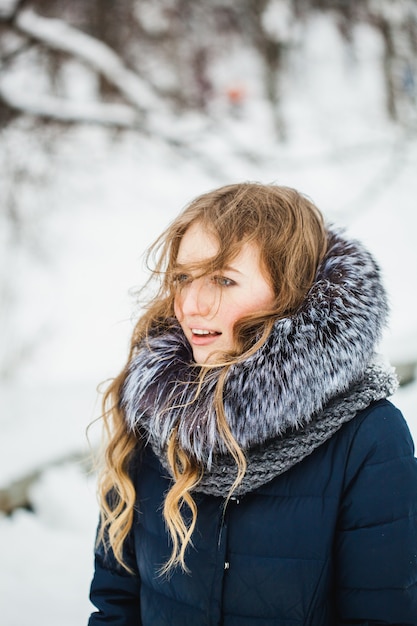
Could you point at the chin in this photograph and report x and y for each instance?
(202, 359)
(208, 357)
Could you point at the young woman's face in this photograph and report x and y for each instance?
(207, 307)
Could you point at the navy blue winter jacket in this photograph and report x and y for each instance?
(330, 542)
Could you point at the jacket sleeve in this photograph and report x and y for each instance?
(376, 541)
(114, 591)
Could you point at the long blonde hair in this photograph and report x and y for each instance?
(290, 234)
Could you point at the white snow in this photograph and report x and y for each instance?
(46, 556)
(277, 20)
(7, 8)
(104, 202)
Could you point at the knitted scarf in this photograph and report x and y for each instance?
(312, 375)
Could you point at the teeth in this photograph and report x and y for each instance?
(200, 331)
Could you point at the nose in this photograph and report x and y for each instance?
(196, 298)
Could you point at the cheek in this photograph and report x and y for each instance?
(254, 302)
(234, 312)
(262, 296)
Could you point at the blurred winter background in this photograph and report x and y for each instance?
(112, 116)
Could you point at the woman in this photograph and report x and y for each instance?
(255, 473)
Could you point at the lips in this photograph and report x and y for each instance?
(203, 336)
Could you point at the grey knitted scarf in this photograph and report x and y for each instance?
(314, 373)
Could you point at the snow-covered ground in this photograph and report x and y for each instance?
(105, 203)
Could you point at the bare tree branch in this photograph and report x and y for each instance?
(119, 115)
(16, 494)
(58, 35)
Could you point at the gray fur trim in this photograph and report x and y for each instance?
(279, 455)
(311, 357)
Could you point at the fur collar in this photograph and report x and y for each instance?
(310, 358)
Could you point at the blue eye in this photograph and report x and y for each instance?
(222, 281)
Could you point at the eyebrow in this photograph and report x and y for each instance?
(226, 268)
(230, 268)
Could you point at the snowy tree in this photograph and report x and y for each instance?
(397, 22)
(144, 55)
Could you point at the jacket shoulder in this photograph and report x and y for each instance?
(380, 477)
(379, 434)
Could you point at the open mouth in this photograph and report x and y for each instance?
(204, 333)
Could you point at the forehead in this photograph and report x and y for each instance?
(197, 245)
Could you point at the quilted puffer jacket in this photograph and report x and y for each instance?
(330, 542)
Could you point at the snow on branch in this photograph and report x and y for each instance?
(8, 8)
(16, 494)
(120, 115)
(58, 35)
